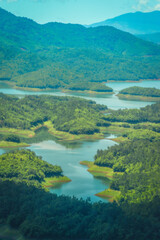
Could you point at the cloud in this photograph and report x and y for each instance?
(157, 7)
(146, 5)
(143, 2)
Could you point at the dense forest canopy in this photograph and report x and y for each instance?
(146, 114)
(25, 166)
(67, 56)
(41, 215)
(138, 161)
(141, 91)
(73, 115)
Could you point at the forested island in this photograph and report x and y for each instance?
(140, 93)
(66, 118)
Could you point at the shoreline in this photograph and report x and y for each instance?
(12, 84)
(137, 97)
(60, 90)
(134, 81)
(5, 144)
(105, 173)
(52, 182)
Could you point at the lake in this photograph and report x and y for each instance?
(68, 155)
(112, 101)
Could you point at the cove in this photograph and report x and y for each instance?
(83, 184)
(68, 156)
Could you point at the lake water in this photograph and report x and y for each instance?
(68, 155)
(112, 101)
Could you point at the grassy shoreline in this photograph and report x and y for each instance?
(109, 194)
(70, 137)
(134, 81)
(6, 144)
(97, 171)
(53, 182)
(87, 91)
(138, 97)
(58, 89)
(106, 173)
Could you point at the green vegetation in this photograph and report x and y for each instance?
(138, 163)
(6, 144)
(70, 56)
(53, 182)
(140, 92)
(132, 166)
(98, 171)
(65, 117)
(110, 194)
(146, 114)
(41, 215)
(25, 166)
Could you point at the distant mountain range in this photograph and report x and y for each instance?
(153, 37)
(135, 23)
(56, 55)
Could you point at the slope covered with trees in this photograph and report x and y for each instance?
(139, 165)
(68, 56)
(25, 166)
(146, 114)
(41, 215)
(141, 91)
(73, 115)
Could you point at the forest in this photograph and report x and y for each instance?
(38, 214)
(146, 114)
(25, 166)
(73, 115)
(141, 91)
(70, 56)
(138, 163)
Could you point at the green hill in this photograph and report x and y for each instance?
(68, 56)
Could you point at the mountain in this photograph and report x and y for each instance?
(153, 37)
(135, 23)
(56, 55)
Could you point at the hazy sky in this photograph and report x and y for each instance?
(76, 11)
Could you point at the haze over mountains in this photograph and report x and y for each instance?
(135, 23)
(146, 25)
(56, 55)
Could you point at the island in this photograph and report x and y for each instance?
(140, 93)
(66, 118)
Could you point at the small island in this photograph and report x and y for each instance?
(140, 93)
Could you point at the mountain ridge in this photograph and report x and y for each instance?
(135, 23)
(57, 55)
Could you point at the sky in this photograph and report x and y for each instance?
(76, 11)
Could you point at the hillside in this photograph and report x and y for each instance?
(66, 56)
(153, 37)
(135, 23)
